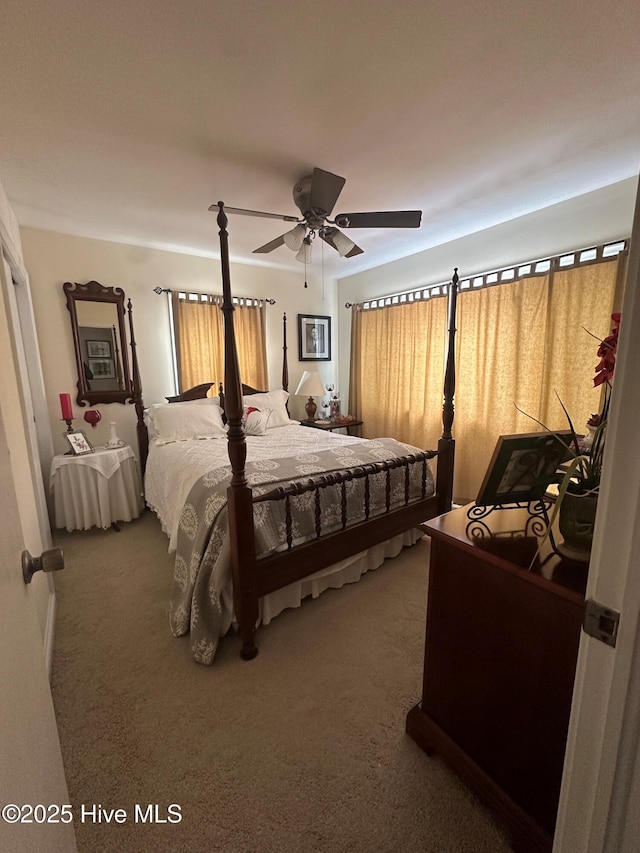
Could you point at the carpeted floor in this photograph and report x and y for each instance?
(302, 749)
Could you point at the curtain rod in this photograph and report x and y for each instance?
(160, 290)
(515, 272)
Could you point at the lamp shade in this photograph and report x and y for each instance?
(311, 384)
(342, 243)
(293, 239)
(304, 255)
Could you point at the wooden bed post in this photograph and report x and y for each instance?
(446, 445)
(136, 397)
(285, 366)
(240, 505)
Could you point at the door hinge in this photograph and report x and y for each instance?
(601, 622)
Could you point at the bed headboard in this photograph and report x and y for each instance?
(199, 392)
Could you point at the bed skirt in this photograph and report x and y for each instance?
(334, 577)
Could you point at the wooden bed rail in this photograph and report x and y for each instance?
(340, 478)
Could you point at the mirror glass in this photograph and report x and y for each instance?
(100, 343)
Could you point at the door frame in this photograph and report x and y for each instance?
(602, 762)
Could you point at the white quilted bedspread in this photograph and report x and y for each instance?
(172, 469)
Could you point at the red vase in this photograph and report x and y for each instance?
(92, 416)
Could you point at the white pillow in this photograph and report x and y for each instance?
(150, 413)
(274, 400)
(180, 422)
(255, 421)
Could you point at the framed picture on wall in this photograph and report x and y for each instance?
(523, 466)
(99, 349)
(102, 368)
(314, 337)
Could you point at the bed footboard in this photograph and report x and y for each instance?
(391, 503)
(315, 485)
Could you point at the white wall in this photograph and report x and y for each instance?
(52, 258)
(591, 219)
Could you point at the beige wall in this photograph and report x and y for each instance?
(52, 258)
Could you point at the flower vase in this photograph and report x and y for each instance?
(114, 441)
(576, 519)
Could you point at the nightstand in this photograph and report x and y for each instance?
(330, 425)
(96, 489)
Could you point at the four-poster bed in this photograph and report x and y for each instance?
(299, 507)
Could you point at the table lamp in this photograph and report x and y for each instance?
(311, 384)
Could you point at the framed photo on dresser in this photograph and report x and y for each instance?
(314, 337)
(523, 466)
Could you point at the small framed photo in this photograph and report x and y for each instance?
(102, 368)
(314, 337)
(78, 442)
(99, 349)
(523, 466)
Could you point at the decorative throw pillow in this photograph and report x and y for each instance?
(274, 400)
(255, 421)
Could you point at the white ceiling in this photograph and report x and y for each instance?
(125, 120)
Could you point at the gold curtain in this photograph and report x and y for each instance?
(249, 323)
(525, 343)
(517, 344)
(199, 333)
(398, 397)
(355, 364)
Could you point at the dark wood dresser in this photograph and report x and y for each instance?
(500, 656)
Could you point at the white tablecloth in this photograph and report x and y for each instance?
(96, 489)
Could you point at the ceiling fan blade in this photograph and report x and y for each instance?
(257, 213)
(383, 219)
(329, 235)
(325, 189)
(269, 247)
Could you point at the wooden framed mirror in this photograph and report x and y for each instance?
(100, 342)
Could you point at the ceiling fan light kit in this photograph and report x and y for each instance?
(315, 197)
(342, 243)
(304, 255)
(293, 239)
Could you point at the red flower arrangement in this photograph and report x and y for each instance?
(607, 353)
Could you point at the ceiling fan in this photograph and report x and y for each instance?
(315, 196)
